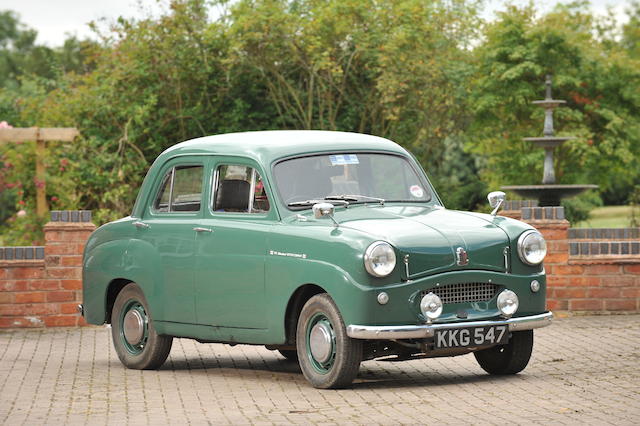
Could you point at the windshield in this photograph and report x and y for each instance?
(362, 177)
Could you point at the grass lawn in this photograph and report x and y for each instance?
(608, 217)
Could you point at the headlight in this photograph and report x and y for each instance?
(531, 247)
(379, 259)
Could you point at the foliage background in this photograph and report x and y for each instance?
(431, 75)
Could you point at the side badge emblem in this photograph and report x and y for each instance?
(461, 256)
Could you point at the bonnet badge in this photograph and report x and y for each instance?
(461, 256)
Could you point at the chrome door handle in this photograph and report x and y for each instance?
(199, 229)
(139, 224)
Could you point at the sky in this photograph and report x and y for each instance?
(54, 19)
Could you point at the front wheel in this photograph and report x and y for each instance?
(511, 358)
(134, 337)
(329, 359)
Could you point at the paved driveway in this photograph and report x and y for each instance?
(584, 370)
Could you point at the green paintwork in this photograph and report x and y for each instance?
(234, 284)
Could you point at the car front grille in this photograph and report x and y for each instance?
(464, 292)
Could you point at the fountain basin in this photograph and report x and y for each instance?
(548, 141)
(549, 103)
(548, 195)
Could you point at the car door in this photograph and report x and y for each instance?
(172, 212)
(231, 247)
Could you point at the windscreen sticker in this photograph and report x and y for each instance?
(416, 191)
(343, 159)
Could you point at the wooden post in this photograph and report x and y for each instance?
(41, 191)
(41, 136)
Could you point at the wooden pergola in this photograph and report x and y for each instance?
(41, 135)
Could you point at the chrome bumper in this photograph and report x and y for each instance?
(394, 332)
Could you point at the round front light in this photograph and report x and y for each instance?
(431, 306)
(383, 298)
(507, 302)
(531, 247)
(379, 259)
(535, 286)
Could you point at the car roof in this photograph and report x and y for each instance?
(268, 146)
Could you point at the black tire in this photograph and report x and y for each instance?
(345, 353)
(511, 358)
(290, 355)
(152, 350)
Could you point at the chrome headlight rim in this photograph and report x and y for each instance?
(431, 306)
(507, 302)
(521, 247)
(368, 259)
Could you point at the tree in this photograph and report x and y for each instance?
(597, 78)
(393, 69)
(631, 31)
(28, 73)
(153, 83)
(426, 74)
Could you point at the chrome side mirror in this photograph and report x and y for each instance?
(496, 199)
(321, 210)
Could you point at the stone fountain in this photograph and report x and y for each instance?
(548, 193)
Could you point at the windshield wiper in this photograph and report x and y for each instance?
(316, 201)
(352, 197)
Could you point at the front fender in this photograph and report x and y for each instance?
(284, 275)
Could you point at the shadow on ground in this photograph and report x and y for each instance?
(372, 375)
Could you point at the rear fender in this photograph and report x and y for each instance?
(132, 260)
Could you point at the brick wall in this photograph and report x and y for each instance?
(42, 286)
(596, 270)
(588, 270)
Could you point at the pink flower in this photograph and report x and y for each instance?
(54, 199)
(5, 125)
(22, 213)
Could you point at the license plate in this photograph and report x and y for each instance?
(471, 336)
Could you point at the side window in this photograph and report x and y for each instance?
(239, 189)
(161, 204)
(180, 191)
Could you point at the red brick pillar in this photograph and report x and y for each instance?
(554, 227)
(65, 237)
(41, 286)
(22, 299)
(588, 270)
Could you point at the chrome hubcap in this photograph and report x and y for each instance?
(321, 342)
(133, 327)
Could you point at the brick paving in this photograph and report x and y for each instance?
(584, 370)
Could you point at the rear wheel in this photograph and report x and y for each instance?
(511, 358)
(328, 358)
(134, 337)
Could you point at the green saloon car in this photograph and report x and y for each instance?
(330, 247)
